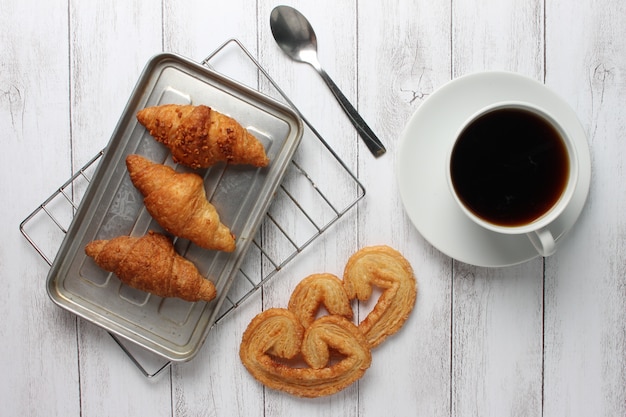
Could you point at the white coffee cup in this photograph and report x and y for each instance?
(533, 180)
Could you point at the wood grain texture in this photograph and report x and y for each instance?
(214, 383)
(585, 330)
(109, 47)
(336, 46)
(497, 341)
(498, 35)
(497, 313)
(38, 353)
(544, 338)
(401, 62)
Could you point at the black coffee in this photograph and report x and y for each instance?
(509, 166)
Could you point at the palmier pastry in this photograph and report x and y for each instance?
(276, 335)
(383, 267)
(315, 290)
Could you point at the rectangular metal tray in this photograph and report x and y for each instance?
(111, 206)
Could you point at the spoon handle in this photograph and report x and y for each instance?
(368, 136)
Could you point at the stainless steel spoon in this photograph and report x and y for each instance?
(295, 36)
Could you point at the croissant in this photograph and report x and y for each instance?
(177, 201)
(198, 136)
(150, 263)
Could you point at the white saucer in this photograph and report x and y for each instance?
(421, 174)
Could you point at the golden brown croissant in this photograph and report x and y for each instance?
(386, 268)
(150, 263)
(177, 201)
(276, 335)
(198, 136)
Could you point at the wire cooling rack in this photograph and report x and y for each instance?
(317, 190)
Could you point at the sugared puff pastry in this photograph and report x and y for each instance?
(387, 269)
(335, 351)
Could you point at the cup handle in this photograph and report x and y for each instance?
(543, 241)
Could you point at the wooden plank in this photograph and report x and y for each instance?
(498, 35)
(403, 57)
(479, 342)
(212, 383)
(585, 336)
(195, 29)
(496, 339)
(39, 351)
(109, 46)
(497, 313)
(336, 33)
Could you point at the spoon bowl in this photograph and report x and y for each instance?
(295, 36)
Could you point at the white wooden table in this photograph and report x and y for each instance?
(543, 338)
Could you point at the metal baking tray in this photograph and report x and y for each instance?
(111, 206)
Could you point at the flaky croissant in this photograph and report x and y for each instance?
(150, 263)
(198, 136)
(177, 201)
